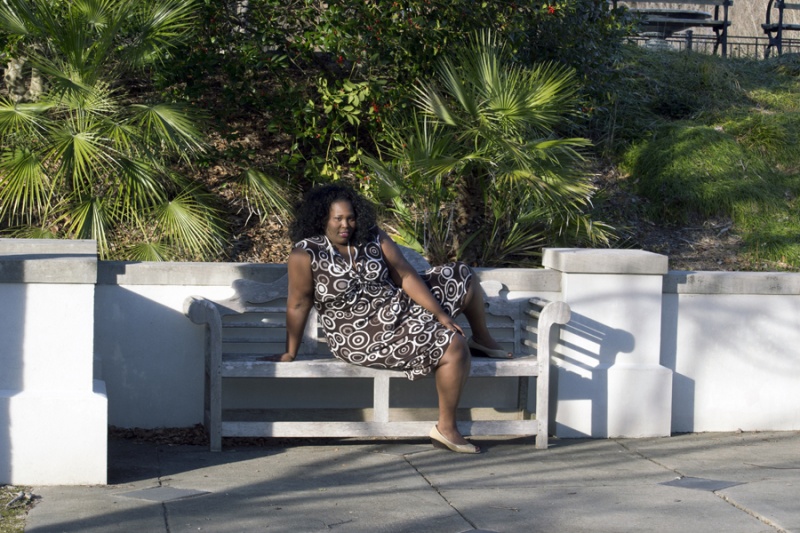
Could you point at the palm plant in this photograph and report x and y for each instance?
(487, 128)
(86, 160)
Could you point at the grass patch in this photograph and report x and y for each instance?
(706, 137)
(12, 515)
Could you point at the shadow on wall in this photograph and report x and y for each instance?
(152, 355)
(683, 387)
(152, 370)
(583, 355)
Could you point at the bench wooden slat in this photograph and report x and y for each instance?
(254, 325)
(402, 429)
(693, 22)
(246, 366)
(692, 2)
(774, 27)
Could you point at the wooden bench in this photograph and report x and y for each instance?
(775, 24)
(252, 323)
(718, 22)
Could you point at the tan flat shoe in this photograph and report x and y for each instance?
(440, 440)
(488, 352)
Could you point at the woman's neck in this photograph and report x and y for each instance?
(344, 248)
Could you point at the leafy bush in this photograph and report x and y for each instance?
(735, 156)
(484, 127)
(86, 160)
(327, 75)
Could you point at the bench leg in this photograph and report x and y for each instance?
(380, 400)
(214, 388)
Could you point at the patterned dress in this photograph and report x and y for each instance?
(369, 321)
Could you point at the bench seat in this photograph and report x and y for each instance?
(242, 329)
(719, 21)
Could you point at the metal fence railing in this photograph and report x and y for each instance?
(743, 47)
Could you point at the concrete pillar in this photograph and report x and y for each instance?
(53, 413)
(609, 382)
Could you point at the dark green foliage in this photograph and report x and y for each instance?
(704, 137)
(326, 75)
(87, 160)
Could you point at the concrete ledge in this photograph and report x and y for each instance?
(181, 274)
(48, 247)
(223, 274)
(48, 261)
(523, 279)
(604, 261)
(778, 283)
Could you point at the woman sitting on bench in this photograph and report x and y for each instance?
(376, 310)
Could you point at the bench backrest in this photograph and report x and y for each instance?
(781, 4)
(253, 321)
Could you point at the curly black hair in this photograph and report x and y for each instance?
(311, 214)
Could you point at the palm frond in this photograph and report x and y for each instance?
(31, 232)
(188, 225)
(171, 125)
(147, 251)
(138, 188)
(428, 148)
(24, 186)
(97, 99)
(85, 156)
(97, 13)
(66, 82)
(88, 219)
(124, 137)
(22, 118)
(161, 26)
(15, 17)
(265, 193)
(451, 78)
(431, 103)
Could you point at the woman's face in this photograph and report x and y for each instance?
(341, 223)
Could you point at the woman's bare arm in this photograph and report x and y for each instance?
(299, 301)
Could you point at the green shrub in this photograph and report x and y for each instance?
(295, 62)
(88, 160)
(488, 180)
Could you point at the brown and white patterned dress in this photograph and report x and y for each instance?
(369, 321)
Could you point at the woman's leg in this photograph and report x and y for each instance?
(451, 375)
(475, 312)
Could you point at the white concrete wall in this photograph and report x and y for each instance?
(610, 381)
(648, 352)
(53, 414)
(733, 342)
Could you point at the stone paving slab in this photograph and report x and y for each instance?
(600, 509)
(731, 482)
(770, 501)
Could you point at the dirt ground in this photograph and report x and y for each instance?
(708, 245)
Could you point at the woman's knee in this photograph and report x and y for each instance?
(458, 351)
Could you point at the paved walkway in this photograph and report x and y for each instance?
(732, 483)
